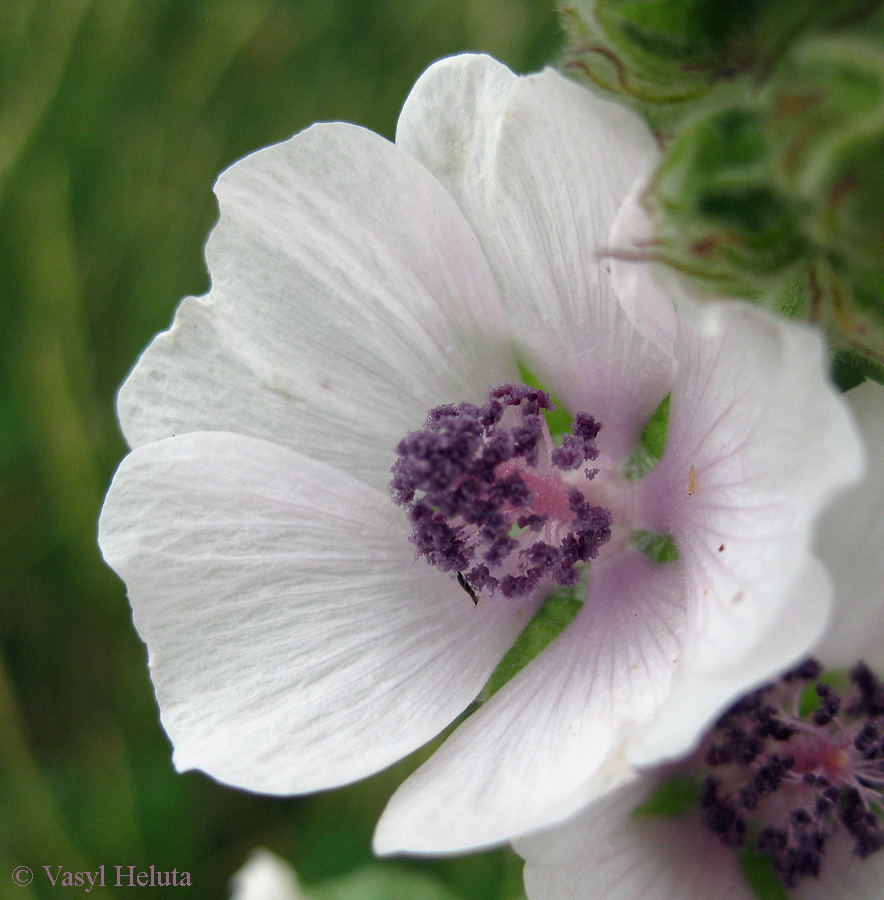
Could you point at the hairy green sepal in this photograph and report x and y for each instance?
(674, 798)
(557, 612)
(649, 449)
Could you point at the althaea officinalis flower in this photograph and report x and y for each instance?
(366, 296)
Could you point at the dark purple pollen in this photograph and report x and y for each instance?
(570, 455)
(478, 481)
(863, 825)
(526, 439)
(512, 490)
(579, 446)
(829, 704)
(541, 554)
(748, 796)
(871, 700)
(500, 549)
(867, 738)
(721, 816)
(809, 670)
(586, 428)
(768, 724)
(533, 522)
(798, 783)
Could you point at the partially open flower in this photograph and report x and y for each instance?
(379, 307)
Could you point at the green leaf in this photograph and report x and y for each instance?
(673, 798)
(650, 446)
(558, 420)
(557, 612)
(659, 547)
(759, 871)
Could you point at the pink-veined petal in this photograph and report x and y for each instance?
(699, 694)
(759, 443)
(540, 167)
(549, 740)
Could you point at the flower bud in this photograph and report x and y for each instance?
(664, 56)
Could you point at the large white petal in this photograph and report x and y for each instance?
(851, 543)
(549, 739)
(607, 852)
(294, 641)
(759, 444)
(540, 167)
(349, 295)
(699, 694)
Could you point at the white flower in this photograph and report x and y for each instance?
(266, 877)
(295, 642)
(609, 851)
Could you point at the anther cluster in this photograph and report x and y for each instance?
(485, 495)
(787, 784)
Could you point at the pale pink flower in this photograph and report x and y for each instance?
(295, 642)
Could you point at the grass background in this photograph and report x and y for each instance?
(115, 118)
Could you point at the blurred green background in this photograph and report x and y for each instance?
(115, 118)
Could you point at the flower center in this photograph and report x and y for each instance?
(795, 765)
(493, 502)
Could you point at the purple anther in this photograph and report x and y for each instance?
(482, 484)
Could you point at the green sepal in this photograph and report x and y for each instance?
(672, 58)
(659, 547)
(675, 797)
(759, 871)
(651, 444)
(827, 125)
(722, 216)
(557, 612)
(850, 368)
(559, 419)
